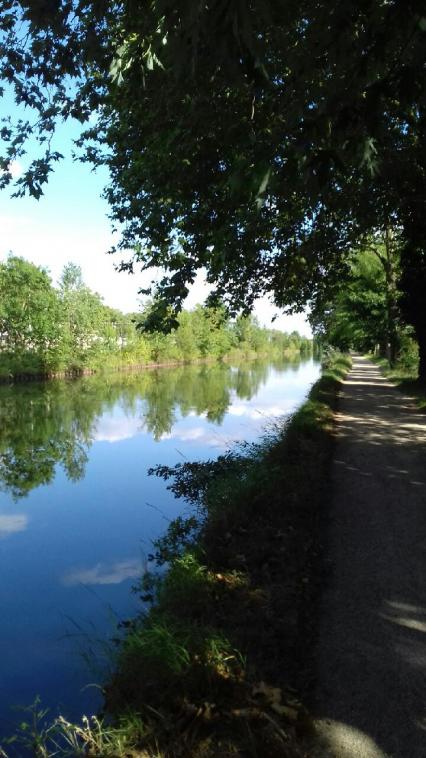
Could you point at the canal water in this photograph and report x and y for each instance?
(78, 512)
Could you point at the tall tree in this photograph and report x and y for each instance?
(86, 321)
(361, 313)
(29, 316)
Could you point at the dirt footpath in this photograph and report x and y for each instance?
(371, 694)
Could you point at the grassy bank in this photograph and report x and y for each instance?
(217, 663)
(406, 379)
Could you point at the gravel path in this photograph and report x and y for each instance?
(371, 694)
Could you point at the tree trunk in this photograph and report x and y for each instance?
(383, 350)
(421, 338)
(413, 254)
(389, 261)
(413, 288)
(392, 311)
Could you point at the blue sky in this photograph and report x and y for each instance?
(70, 223)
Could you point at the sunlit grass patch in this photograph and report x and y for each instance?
(42, 737)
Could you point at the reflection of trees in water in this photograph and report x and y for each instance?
(159, 406)
(43, 425)
(210, 392)
(186, 389)
(247, 380)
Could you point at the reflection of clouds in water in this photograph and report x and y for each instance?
(110, 429)
(102, 573)
(190, 435)
(197, 434)
(223, 439)
(12, 524)
(260, 410)
(115, 429)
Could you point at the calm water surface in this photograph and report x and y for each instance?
(78, 512)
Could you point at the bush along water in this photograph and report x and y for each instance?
(217, 662)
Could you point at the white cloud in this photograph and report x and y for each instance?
(263, 310)
(190, 435)
(199, 435)
(260, 412)
(198, 292)
(12, 524)
(102, 573)
(70, 223)
(53, 246)
(110, 429)
(55, 240)
(15, 169)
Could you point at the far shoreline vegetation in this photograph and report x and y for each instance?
(48, 332)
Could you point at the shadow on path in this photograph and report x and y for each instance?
(371, 695)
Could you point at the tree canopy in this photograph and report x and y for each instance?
(257, 140)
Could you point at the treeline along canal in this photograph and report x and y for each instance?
(78, 512)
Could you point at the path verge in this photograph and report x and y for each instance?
(406, 381)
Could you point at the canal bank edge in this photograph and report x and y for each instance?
(220, 664)
(111, 368)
